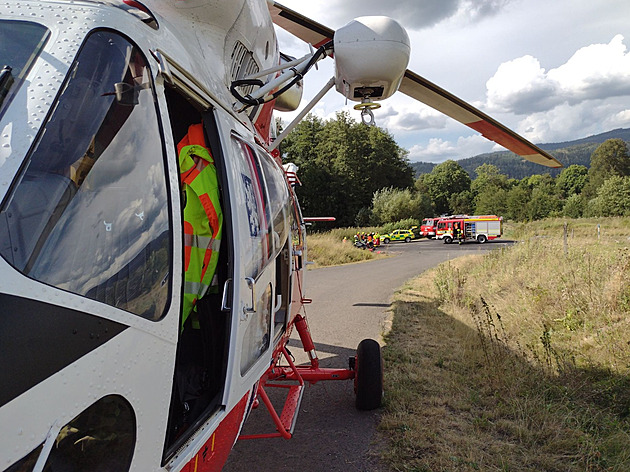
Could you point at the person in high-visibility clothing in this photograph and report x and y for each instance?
(203, 218)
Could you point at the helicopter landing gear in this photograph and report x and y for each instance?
(368, 375)
(365, 370)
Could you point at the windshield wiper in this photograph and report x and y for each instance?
(6, 81)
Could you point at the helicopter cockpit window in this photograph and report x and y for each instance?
(20, 44)
(89, 213)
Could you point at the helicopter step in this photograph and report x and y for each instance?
(285, 422)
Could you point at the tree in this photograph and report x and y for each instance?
(544, 200)
(517, 200)
(543, 203)
(342, 163)
(445, 179)
(572, 180)
(491, 201)
(462, 203)
(574, 206)
(390, 205)
(609, 159)
(613, 198)
(488, 175)
(490, 190)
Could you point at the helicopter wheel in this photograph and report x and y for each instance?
(368, 378)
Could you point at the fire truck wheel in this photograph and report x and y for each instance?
(448, 240)
(481, 238)
(368, 379)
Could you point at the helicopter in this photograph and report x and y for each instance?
(101, 368)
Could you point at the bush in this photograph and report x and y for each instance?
(574, 206)
(400, 224)
(390, 205)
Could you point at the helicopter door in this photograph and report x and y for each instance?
(201, 364)
(256, 276)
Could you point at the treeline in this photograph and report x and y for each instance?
(572, 152)
(603, 189)
(342, 164)
(359, 175)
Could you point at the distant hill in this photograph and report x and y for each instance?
(571, 152)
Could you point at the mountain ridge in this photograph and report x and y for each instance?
(577, 151)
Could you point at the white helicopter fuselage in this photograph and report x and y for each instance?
(86, 331)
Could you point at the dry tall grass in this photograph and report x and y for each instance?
(328, 249)
(518, 360)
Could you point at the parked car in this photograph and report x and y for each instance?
(397, 235)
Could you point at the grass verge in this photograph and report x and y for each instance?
(328, 249)
(517, 360)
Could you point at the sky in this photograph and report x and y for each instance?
(552, 71)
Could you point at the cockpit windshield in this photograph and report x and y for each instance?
(20, 44)
(89, 212)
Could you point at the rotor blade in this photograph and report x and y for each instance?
(304, 28)
(430, 94)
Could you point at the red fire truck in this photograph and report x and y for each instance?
(428, 227)
(480, 228)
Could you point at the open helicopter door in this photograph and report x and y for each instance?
(225, 358)
(261, 209)
(199, 400)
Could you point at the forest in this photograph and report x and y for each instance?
(361, 176)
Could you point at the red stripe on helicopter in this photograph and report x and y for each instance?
(498, 135)
(214, 453)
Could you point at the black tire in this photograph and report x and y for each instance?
(386, 241)
(368, 379)
(448, 240)
(407, 239)
(482, 238)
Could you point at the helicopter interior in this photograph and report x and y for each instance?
(202, 351)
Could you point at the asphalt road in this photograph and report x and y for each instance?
(350, 303)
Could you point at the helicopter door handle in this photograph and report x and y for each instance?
(252, 309)
(226, 293)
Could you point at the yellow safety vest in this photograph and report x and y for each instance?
(203, 218)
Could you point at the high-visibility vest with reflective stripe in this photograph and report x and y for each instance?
(203, 218)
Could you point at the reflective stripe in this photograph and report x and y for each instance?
(202, 242)
(195, 288)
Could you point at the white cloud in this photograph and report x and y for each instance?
(567, 122)
(594, 72)
(520, 84)
(409, 117)
(413, 14)
(439, 150)
(620, 119)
